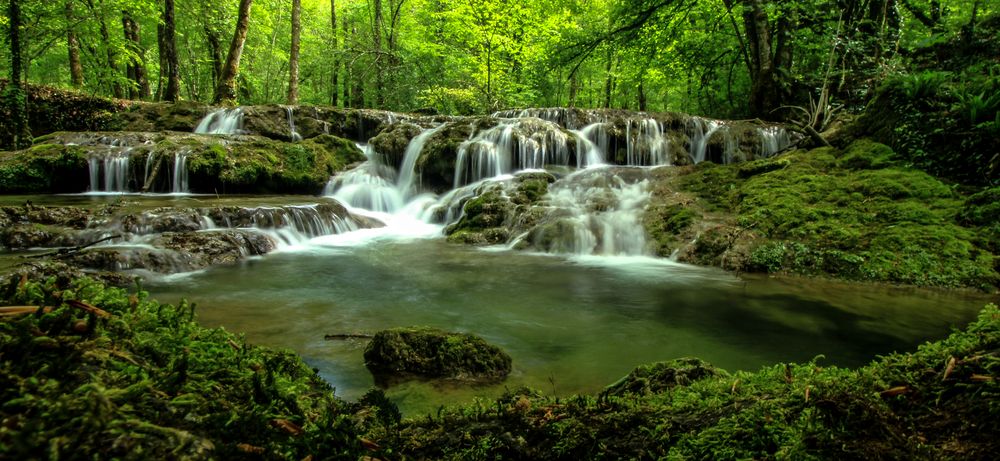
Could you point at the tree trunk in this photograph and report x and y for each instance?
(608, 80)
(379, 74)
(215, 48)
(73, 45)
(170, 44)
(161, 45)
(112, 64)
(764, 87)
(574, 89)
(293, 57)
(15, 135)
(358, 92)
(334, 91)
(348, 67)
(642, 97)
(226, 90)
(136, 65)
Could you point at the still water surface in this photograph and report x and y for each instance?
(571, 324)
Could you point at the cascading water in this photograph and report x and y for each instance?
(407, 172)
(292, 134)
(222, 121)
(180, 180)
(647, 145)
(700, 131)
(114, 166)
(597, 213)
(367, 187)
(513, 145)
(773, 139)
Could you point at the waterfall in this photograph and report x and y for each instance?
(407, 172)
(773, 139)
(180, 182)
(294, 135)
(222, 121)
(513, 145)
(700, 131)
(114, 166)
(366, 186)
(600, 215)
(647, 145)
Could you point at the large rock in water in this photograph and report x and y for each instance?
(400, 353)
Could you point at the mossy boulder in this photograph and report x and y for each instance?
(402, 353)
(436, 163)
(44, 168)
(663, 376)
(392, 141)
(847, 213)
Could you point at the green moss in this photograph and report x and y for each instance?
(664, 225)
(400, 353)
(43, 168)
(822, 215)
(148, 378)
(867, 155)
(903, 406)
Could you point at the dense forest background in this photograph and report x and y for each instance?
(725, 58)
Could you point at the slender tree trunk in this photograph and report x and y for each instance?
(348, 65)
(334, 91)
(608, 80)
(764, 86)
(161, 45)
(226, 89)
(73, 45)
(170, 41)
(215, 48)
(358, 92)
(379, 74)
(137, 66)
(110, 56)
(14, 132)
(293, 58)
(574, 88)
(642, 97)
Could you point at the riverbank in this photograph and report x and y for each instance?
(104, 364)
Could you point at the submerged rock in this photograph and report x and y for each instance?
(177, 252)
(662, 376)
(401, 353)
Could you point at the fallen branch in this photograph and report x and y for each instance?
(90, 309)
(11, 311)
(64, 252)
(348, 336)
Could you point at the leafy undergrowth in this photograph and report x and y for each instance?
(144, 381)
(940, 402)
(852, 214)
(106, 374)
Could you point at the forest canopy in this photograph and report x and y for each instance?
(721, 58)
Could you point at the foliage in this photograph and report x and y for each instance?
(401, 353)
(145, 381)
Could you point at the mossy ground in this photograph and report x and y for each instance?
(145, 381)
(850, 214)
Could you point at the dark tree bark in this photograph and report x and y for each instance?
(14, 130)
(173, 90)
(379, 74)
(608, 80)
(348, 66)
(642, 97)
(73, 45)
(215, 48)
(293, 57)
(225, 91)
(136, 65)
(358, 92)
(111, 58)
(574, 88)
(334, 91)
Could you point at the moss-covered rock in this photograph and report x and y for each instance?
(662, 376)
(402, 353)
(849, 214)
(391, 142)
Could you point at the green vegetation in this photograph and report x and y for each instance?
(850, 214)
(46, 168)
(136, 379)
(102, 372)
